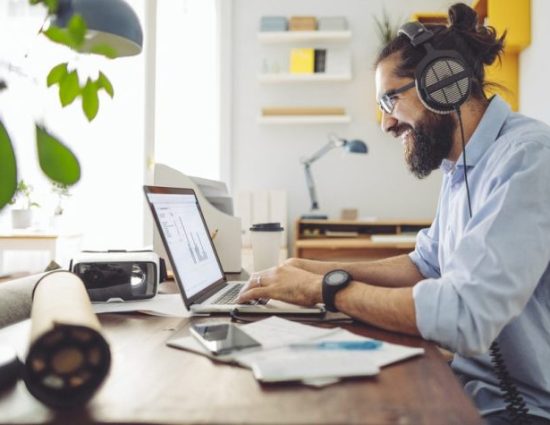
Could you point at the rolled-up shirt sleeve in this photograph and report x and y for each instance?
(425, 254)
(496, 266)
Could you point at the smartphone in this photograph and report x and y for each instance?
(222, 338)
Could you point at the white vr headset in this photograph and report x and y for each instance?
(119, 275)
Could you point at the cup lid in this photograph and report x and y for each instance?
(267, 227)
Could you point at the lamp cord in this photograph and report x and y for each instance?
(515, 404)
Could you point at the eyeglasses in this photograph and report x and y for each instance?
(388, 100)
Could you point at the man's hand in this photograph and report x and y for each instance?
(284, 283)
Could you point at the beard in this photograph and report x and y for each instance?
(429, 144)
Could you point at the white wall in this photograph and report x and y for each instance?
(534, 86)
(266, 156)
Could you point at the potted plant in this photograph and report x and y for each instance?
(62, 191)
(21, 217)
(386, 30)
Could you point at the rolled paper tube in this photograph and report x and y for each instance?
(68, 357)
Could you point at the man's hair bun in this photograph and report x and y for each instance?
(480, 40)
(462, 17)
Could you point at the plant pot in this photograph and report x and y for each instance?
(21, 219)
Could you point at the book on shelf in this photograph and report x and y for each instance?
(332, 23)
(273, 23)
(302, 111)
(399, 238)
(320, 60)
(302, 23)
(341, 233)
(302, 61)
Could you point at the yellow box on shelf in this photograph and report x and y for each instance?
(302, 61)
(514, 16)
(430, 17)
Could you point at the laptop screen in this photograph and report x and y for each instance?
(187, 240)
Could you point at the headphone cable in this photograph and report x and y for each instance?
(457, 109)
(515, 404)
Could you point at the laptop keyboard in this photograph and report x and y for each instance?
(230, 297)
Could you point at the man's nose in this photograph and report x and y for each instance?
(388, 122)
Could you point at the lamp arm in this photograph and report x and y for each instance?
(311, 187)
(334, 142)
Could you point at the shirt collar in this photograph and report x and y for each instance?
(484, 135)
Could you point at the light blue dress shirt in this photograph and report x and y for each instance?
(488, 277)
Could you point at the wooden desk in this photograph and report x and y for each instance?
(151, 383)
(355, 240)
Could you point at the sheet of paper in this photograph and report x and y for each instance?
(159, 305)
(277, 332)
(299, 365)
(190, 343)
(383, 356)
(277, 361)
(271, 333)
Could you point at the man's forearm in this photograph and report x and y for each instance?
(388, 308)
(394, 272)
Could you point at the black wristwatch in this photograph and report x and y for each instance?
(334, 281)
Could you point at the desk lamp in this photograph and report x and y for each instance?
(110, 22)
(350, 146)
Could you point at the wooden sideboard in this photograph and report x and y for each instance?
(355, 240)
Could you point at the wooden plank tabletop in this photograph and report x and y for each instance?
(152, 383)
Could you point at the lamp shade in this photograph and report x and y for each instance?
(111, 22)
(356, 146)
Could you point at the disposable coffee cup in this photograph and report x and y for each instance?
(266, 244)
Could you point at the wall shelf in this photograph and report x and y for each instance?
(305, 119)
(280, 37)
(365, 240)
(302, 78)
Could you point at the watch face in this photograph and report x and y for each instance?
(336, 277)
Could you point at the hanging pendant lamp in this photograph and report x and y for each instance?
(110, 22)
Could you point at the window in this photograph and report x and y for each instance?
(107, 204)
(187, 87)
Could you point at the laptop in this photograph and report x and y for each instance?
(195, 262)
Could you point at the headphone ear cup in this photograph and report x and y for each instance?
(443, 82)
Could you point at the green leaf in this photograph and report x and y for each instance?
(104, 50)
(52, 6)
(90, 101)
(60, 35)
(56, 160)
(8, 168)
(104, 83)
(72, 36)
(69, 88)
(57, 73)
(77, 29)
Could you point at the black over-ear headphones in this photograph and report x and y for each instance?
(443, 78)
